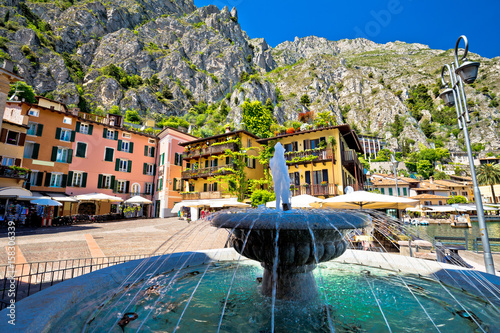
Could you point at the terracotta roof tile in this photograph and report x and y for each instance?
(428, 196)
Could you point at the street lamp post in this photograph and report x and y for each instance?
(395, 164)
(455, 94)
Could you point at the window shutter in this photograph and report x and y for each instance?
(70, 156)
(176, 157)
(325, 175)
(70, 179)
(58, 133)
(73, 134)
(162, 158)
(144, 168)
(129, 166)
(17, 162)
(116, 135)
(308, 177)
(297, 178)
(216, 162)
(99, 181)
(64, 180)
(36, 149)
(3, 136)
(131, 149)
(109, 155)
(39, 129)
(206, 164)
(77, 128)
(112, 183)
(91, 129)
(295, 146)
(53, 157)
(48, 175)
(175, 184)
(152, 151)
(117, 164)
(154, 169)
(205, 187)
(119, 145)
(22, 139)
(84, 179)
(215, 186)
(322, 139)
(253, 163)
(145, 150)
(227, 160)
(188, 165)
(105, 133)
(39, 179)
(127, 186)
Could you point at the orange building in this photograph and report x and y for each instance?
(168, 182)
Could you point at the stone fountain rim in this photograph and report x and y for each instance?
(290, 220)
(36, 313)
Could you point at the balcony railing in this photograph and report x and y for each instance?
(201, 195)
(314, 189)
(206, 172)
(298, 157)
(351, 157)
(7, 172)
(212, 150)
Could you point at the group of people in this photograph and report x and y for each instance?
(205, 212)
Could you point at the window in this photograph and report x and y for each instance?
(162, 159)
(12, 138)
(77, 179)
(399, 192)
(151, 141)
(125, 146)
(110, 134)
(149, 151)
(121, 186)
(65, 135)
(405, 192)
(136, 189)
(382, 190)
(178, 159)
(149, 168)
(28, 149)
(464, 194)
(126, 135)
(33, 113)
(8, 161)
(390, 191)
(149, 188)
(81, 149)
(32, 128)
(159, 184)
(123, 165)
(249, 142)
(105, 181)
(250, 162)
(56, 180)
(84, 128)
(67, 120)
(34, 178)
(62, 155)
(108, 155)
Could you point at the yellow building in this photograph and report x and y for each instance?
(203, 160)
(322, 162)
(7, 77)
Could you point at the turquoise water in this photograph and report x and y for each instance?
(348, 303)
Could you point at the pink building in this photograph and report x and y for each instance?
(168, 181)
(111, 159)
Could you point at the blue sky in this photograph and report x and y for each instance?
(434, 23)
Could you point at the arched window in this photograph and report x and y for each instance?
(136, 189)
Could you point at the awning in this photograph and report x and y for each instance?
(14, 192)
(212, 203)
(98, 197)
(61, 197)
(443, 209)
(138, 200)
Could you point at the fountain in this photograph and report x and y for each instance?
(287, 245)
(220, 291)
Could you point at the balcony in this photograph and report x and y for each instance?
(315, 190)
(12, 172)
(212, 150)
(201, 195)
(206, 172)
(304, 157)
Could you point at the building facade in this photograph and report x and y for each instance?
(322, 162)
(168, 182)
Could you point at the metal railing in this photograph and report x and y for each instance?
(30, 278)
(8, 172)
(315, 189)
(321, 154)
(218, 149)
(207, 172)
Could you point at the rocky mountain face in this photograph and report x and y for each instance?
(163, 57)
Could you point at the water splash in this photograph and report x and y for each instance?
(281, 179)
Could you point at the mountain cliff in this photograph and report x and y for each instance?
(168, 57)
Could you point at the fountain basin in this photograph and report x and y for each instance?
(68, 305)
(289, 244)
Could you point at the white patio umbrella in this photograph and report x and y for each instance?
(299, 201)
(369, 200)
(138, 200)
(99, 197)
(46, 202)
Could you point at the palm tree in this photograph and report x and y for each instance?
(489, 174)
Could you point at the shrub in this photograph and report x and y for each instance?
(305, 100)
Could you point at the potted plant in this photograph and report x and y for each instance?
(290, 130)
(324, 183)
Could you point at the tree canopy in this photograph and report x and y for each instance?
(23, 91)
(257, 118)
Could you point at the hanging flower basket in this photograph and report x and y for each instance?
(290, 130)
